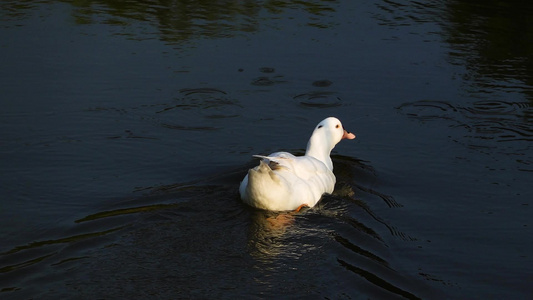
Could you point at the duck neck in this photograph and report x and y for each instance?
(320, 151)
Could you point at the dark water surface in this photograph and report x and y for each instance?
(126, 128)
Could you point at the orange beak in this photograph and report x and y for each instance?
(348, 135)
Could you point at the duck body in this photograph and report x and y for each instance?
(283, 181)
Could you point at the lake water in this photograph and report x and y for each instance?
(125, 130)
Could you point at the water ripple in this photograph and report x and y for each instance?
(482, 122)
(161, 229)
(195, 104)
(319, 99)
(498, 120)
(377, 280)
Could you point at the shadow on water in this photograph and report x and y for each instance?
(154, 244)
(491, 40)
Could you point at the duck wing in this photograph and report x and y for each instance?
(304, 167)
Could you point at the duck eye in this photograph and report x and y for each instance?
(337, 126)
(319, 126)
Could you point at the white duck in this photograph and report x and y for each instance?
(283, 181)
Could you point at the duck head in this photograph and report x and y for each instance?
(328, 133)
